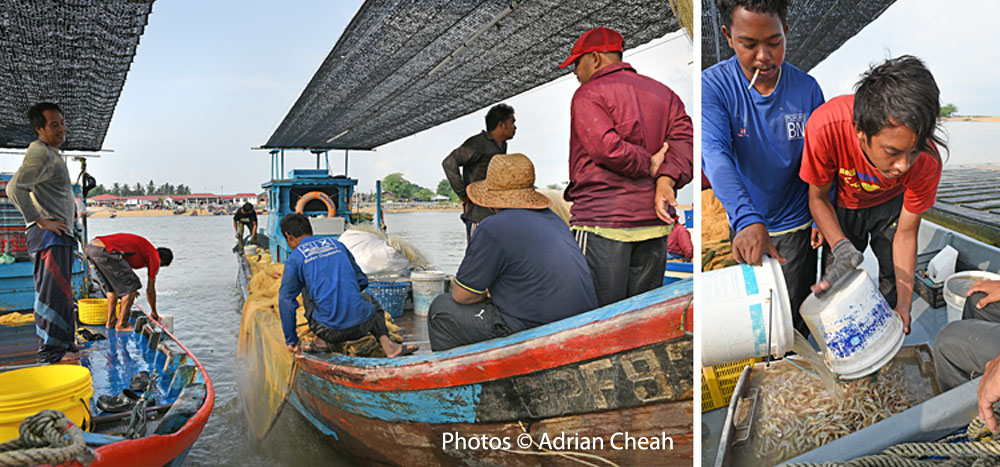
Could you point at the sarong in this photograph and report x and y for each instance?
(55, 309)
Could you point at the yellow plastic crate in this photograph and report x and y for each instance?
(718, 382)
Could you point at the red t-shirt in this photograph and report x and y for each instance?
(144, 254)
(832, 150)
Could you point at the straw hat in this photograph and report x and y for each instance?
(509, 184)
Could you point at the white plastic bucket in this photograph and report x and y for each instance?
(855, 328)
(427, 285)
(250, 250)
(957, 285)
(745, 309)
(167, 321)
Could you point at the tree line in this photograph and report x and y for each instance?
(407, 190)
(150, 189)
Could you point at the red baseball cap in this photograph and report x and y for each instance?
(599, 39)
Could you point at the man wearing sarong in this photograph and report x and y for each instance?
(42, 192)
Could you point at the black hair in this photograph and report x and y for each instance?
(497, 114)
(36, 114)
(296, 225)
(247, 207)
(166, 256)
(772, 7)
(900, 90)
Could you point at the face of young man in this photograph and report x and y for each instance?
(507, 128)
(54, 131)
(892, 151)
(759, 42)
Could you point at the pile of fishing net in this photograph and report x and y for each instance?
(17, 319)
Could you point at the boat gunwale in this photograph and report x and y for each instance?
(125, 452)
(647, 325)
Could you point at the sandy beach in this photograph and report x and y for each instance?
(970, 119)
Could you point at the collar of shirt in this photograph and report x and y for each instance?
(611, 69)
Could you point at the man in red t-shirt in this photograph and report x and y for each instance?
(116, 256)
(880, 149)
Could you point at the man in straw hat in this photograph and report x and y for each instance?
(522, 268)
(630, 149)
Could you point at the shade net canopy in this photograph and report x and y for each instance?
(75, 53)
(816, 28)
(390, 76)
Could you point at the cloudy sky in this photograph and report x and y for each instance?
(210, 80)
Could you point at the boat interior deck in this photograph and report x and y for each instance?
(415, 330)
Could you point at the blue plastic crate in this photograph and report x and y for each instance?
(391, 295)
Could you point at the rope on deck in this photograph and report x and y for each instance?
(43, 440)
(944, 452)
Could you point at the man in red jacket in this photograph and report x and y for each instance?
(115, 257)
(630, 150)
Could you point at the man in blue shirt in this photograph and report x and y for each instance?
(324, 271)
(522, 268)
(754, 110)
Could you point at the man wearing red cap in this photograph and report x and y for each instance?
(630, 150)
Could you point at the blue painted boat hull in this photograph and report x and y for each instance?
(17, 285)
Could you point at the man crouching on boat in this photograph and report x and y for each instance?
(116, 257)
(522, 268)
(324, 271)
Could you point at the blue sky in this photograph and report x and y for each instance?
(210, 80)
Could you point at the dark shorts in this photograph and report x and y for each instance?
(451, 324)
(114, 271)
(375, 325)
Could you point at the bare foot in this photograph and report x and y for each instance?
(404, 349)
(124, 328)
(70, 358)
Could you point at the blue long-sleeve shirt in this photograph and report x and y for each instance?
(752, 145)
(331, 278)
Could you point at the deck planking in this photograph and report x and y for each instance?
(967, 201)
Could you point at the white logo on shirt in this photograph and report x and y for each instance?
(319, 249)
(795, 125)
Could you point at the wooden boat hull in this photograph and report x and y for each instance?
(17, 285)
(111, 369)
(625, 368)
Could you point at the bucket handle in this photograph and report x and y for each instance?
(770, 326)
(85, 424)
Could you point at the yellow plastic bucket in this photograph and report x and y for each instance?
(94, 311)
(66, 388)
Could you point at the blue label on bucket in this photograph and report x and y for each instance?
(749, 279)
(759, 332)
(854, 332)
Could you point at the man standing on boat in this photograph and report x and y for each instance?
(116, 257)
(245, 218)
(754, 110)
(520, 271)
(323, 270)
(474, 156)
(630, 150)
(41, 190)
(880, 149)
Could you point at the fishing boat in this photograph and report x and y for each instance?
(624, 368)
(170, 411)
(575, 390)
(931, 420)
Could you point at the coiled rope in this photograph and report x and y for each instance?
(43, 440)
(945, 452)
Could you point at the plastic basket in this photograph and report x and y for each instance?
(718, 382)
(391, 295)
(94, 311)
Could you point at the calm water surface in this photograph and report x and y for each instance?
(199, 289)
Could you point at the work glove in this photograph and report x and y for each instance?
(846, 258)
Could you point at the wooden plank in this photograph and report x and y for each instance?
(970, 197)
